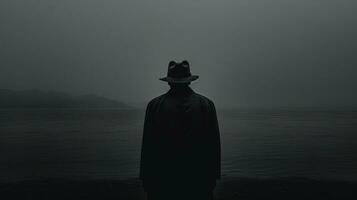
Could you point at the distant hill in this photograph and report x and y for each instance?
(44, 99)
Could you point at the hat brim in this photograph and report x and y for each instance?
(180, 80)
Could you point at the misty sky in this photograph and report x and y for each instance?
(246, 52)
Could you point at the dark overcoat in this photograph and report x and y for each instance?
(181, 142)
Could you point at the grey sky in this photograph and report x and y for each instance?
(247, 52)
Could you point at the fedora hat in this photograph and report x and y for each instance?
(179, 73)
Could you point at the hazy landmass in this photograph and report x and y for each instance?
(53, 99)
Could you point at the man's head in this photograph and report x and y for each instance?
(179, 73)
(179, 85)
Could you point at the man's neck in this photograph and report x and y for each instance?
(180, 90)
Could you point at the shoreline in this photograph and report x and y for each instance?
(226, 189)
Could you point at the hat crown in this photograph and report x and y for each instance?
(179, 70)
(179, 73)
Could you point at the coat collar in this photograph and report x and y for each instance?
(184, 91)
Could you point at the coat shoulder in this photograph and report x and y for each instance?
(207, 101)
(156, 100)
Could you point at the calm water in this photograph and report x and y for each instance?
(105, 144)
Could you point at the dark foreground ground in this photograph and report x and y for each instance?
(227, 189)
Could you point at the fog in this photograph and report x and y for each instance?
(246, 52)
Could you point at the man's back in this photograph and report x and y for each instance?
(181, 141)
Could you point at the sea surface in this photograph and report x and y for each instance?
(83, 144)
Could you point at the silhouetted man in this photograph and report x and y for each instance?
(180, 157)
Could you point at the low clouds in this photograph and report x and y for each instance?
(247, 53)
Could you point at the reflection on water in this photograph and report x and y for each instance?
(105, 144)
